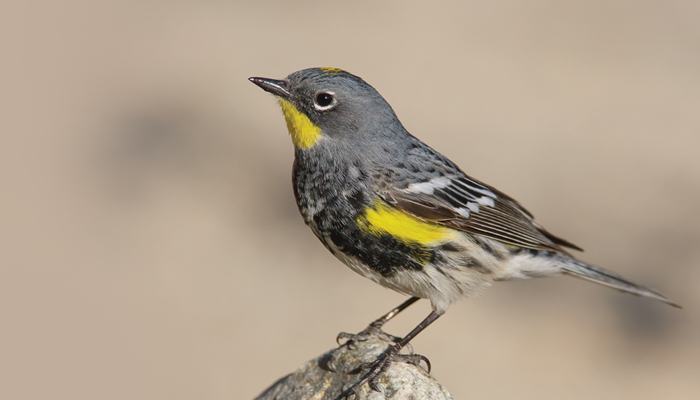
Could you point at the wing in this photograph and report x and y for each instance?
(463, 203)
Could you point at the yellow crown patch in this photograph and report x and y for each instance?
(331, 70)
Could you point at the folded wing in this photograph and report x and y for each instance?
(463, 203)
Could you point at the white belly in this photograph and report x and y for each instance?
(442, 283)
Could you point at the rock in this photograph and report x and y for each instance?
(325, 377)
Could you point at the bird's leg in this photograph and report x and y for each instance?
(392, 353)
(379, 322)
(375, 327)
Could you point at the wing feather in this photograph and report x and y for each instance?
(466, 204)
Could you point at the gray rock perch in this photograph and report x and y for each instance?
(325, 377)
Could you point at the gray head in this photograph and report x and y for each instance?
(332, 104)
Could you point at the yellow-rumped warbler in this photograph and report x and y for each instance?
(400, 213)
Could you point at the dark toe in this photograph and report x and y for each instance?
(418, 360)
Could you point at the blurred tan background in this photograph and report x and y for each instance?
(151, 248)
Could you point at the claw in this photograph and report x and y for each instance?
(380, 366)
(428, 366)
(344, 337)
(376, 368)
(417, 360)
(349, 339)
(382, 362)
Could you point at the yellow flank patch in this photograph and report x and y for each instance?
(304, 133)
(384, 219)
(331, 70)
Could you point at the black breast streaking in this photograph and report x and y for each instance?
(331, 195)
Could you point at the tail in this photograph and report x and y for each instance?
(598, 275)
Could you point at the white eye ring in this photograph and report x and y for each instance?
(324, 101)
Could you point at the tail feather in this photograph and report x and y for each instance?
(598, 275)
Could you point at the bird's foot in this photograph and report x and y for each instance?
(374, 370)
(374, 329)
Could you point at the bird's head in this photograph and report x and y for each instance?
(330, 104)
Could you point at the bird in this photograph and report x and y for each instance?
(400, 213)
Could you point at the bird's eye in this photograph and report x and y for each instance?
(324, 101)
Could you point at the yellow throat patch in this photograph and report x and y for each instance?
(304, 133)
(381, 218)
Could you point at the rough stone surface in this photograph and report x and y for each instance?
(325, 377)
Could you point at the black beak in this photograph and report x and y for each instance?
(274, 86)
